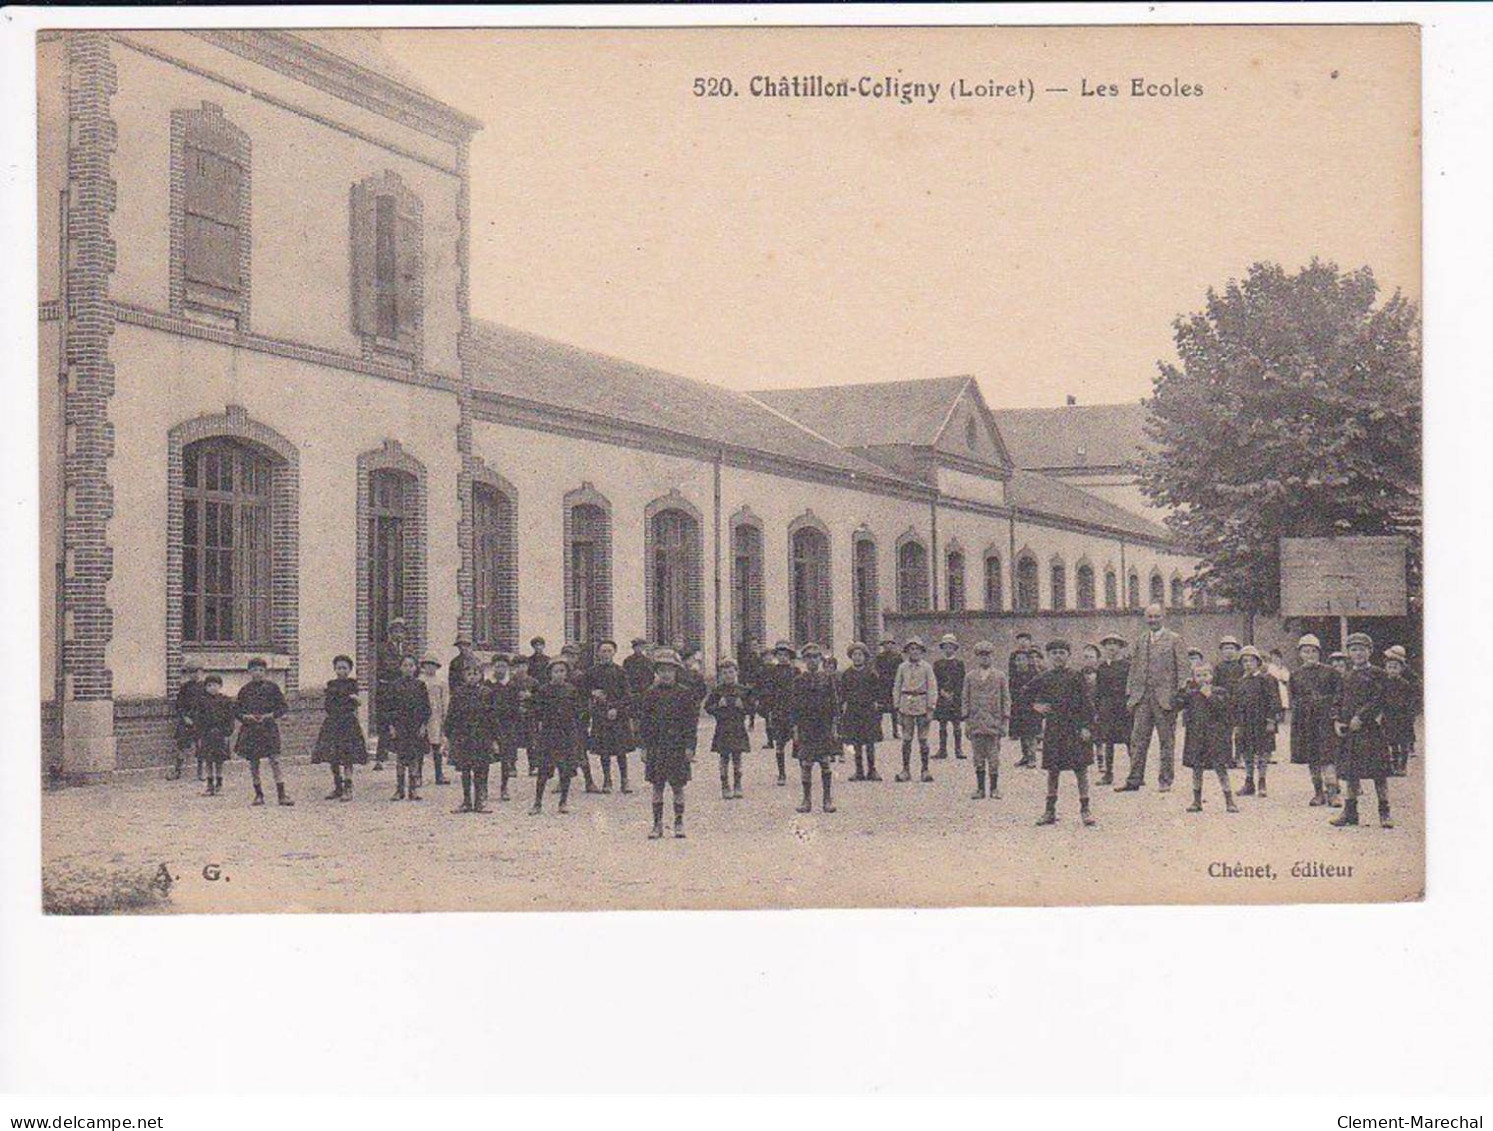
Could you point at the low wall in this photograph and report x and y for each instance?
(1199, 628)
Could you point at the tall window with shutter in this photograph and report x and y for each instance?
(210, 216)
(387, 249)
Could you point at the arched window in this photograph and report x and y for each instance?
(1058, 584)
(1178, 593)
(867, 594)
(226, 564)
(1111, 589)
(495, 568)
(809, 596)
(588, 566)
(1132, 590)
(748, 617)
(954, 580)
(994, 597)
(1026, 584)
(1083, 578)
(1158, 588)
(912, 576)
(674, 570)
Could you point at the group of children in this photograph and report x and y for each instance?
(1351, 721)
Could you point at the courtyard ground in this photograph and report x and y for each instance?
(889, 845)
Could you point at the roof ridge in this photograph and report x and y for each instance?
(962, 377)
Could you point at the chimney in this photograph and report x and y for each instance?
(1072, 400)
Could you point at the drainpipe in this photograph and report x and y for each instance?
(1011, 559)
(1124, 579)
(720, 456)
(933, 539)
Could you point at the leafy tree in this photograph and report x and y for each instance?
(1295, 411)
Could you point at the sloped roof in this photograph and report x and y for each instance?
(886, 412)
(1032, 491)
(1089, 435)
(539, 370)
(363, 47)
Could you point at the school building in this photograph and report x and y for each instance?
(270, 423)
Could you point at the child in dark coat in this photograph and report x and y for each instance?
(862, 694)
(667, 717)
(1061, 700)
(1399, 711)
(259, 707)
(408, 721)
(506, 724)
(1256, 697)
(1208, 715)
(1026, 724)
(776, 695)
(729, 703)
(1314, 691)
(340, 743)
(559, 733)
(469, 737)
(1111, 713)
(214, 714)
(185, 734)
(948, 669)
(1363, 751)
(611, 724)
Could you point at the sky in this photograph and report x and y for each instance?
(1044, 246)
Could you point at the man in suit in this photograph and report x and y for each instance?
(1158, 673)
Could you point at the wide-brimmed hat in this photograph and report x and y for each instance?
(1115, 636)
(1395, 652)
(1309, 641)
(948, 638)
(913, 642)
(1251, 650)
(1362, 638)
(462, 639)
(811, 649)
(856, 646)
(1234, 640)
(666, 656)
(983, 646)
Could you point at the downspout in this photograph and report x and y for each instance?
(720, 455)
(1124, 579)
(1011, 559)
(933, 539)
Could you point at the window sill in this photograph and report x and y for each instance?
(234, 659)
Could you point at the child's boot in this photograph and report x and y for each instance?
(860, 766)
(871, 774)
(399, 775)
(979, 793)
(923, 759)
(1050, 815)
(1197, 802)
(679, 819)
(1261, 791)
(736, 781)
(829, 804)
(1083, 813)
(658, 821)
(1384, 821)
(258, 794)
(564, 806)
(281, 795)
(466, 793)
(1349, 815)
(782, 766)
(1249, 784)
(995, 777)
(606, 775)
(538, 806)
(807, 804)
(906, 774)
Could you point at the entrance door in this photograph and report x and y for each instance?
(389, 492)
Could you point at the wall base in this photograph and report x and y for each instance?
(88, 745)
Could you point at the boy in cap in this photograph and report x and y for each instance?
(948, 669)
(214, 717)
(1023, 647)
(1363, 752)
(439, 694)
(1112, 719)
(1025, 725)
(777, 697)
(1227, 673)
(815, 709)
(729, 703)
(526, 686)
(1256, 714)
(468, 725)
(860, 711)
(914, 693)
(259, 706)
(1399, 711)
(986, 709)
(408, 723)
(505, 723)
(1207, 716)
(667, 714)
(465, 658)
(1314, 692)
(538, 662)
(888, 660)
(559, 733)
(1062, 701)
(611, 725)
(185, 734)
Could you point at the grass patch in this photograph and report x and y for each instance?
(69, 889)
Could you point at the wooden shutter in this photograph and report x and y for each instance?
(364, 281)
(407, 266)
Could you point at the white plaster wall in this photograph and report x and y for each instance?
(302, 171)
(976, 488)
(331, 416)
(51, 161)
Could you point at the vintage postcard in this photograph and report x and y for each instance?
(506, 469)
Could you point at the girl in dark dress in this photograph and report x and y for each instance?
(340, 742)
(469, 734)
(861, 704)
(503, 703)
(1256, 698)
(1026, 724)
(1061, 700)
(1208, 715)
(1314, 691)
(408, 703)
(559, 723)
(214, 713)
(729, 703)
(259, 706)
